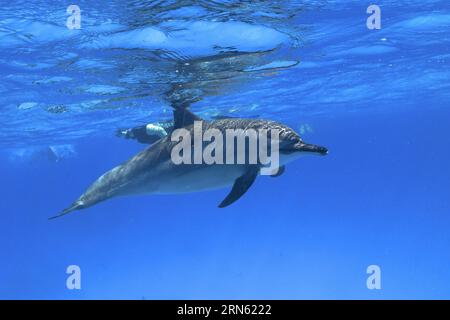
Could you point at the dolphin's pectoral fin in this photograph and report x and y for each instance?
(279, 171)
(240, 186)
(182, 117)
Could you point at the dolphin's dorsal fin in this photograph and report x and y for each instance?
(240, 186)
(182, 117)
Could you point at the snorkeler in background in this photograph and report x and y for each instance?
(148, 134)
(152, 132)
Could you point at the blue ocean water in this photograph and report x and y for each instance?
(378, 99)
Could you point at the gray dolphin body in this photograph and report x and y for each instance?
(152, 171)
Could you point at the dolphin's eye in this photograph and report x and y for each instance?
(293, 137)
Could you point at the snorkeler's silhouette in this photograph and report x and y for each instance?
(152, 132)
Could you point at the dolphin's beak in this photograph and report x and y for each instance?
(305, 147)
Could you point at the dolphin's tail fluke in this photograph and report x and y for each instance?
(77, 205)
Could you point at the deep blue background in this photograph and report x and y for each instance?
(380, 197)
(378, 99)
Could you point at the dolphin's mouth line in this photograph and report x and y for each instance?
(305, 147)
